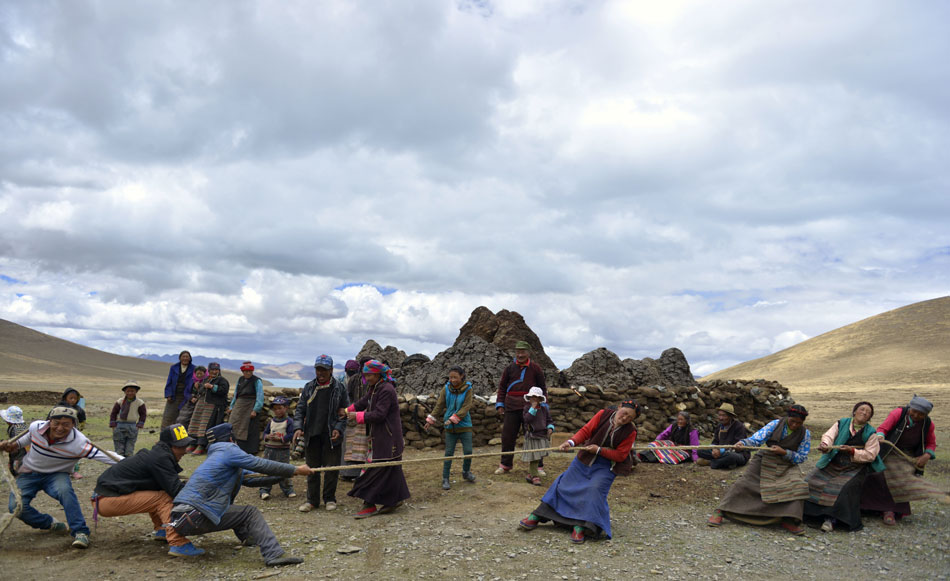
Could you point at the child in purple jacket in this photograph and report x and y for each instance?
(538, 427)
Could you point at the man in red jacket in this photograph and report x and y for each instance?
(520, 376)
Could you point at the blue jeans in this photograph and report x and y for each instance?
(450, 441)
(57, 486)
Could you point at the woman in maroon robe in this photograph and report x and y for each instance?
(378, 410)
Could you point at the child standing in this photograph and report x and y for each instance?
(13, 416)
(125, 429)
(538, 427)
(184, 415)
(73, 399)
(277, 436)
(453, 405)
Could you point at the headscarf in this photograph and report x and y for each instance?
(629, 403)
(798, 411)
(351, 367)
(374, 366)
(920, 404)
(680, 436)
(247, 366)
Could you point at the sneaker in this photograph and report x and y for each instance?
(306, 507)
(528, 523)
(331, 505)
(502, 469)
(190, 449)
(282, 561)
(577, 536)
(715, 520)
(81, 541)
(58, 527)
(541, 472)
(199, 451)
(291, 494)
(186, 550)
(446, 485)
(890, 519)
(366, 512)
(76, 476)
(795, 529)
(159, 535)
(265, 495)
(468, 477)
(828, 526)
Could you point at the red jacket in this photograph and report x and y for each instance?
(890, 422)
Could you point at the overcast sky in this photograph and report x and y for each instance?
(275, 180)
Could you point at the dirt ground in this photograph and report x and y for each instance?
(470, 531)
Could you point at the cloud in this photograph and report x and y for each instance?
(271, 181)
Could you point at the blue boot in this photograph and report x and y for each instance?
(159, 535)
(186, 550)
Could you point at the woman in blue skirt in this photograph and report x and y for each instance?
(578, 498)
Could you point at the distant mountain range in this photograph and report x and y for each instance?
(291, 370)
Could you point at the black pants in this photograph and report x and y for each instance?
(322, 452)
(509, 435)
(726, 461)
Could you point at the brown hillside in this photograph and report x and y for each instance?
(909, 345)
(885, 358)
(30, 360)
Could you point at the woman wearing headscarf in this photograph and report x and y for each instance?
(910, 430)
(834, 486)
(578, 497)
(354, 437)
(378, 411)
(772, 488)
(248, 401)
(178, 387)
(679, 433)
(210, 408)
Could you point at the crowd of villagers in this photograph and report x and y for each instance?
(355, 421)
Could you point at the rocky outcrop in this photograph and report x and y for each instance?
(481, 361)
(390, 355)
(503, 329)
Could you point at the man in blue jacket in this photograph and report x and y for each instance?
(204, 504)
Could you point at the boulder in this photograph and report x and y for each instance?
(503, 329)
(482, 361)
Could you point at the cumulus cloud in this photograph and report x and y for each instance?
(244, 179)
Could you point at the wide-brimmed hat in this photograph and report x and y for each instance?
(12, 414)
(129, 384)
(535, 392)
(728, 408)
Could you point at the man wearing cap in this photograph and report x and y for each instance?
(520, 376)
(55, 446)
(910, 430)
(320, 418)
(146, 483)
(125, 428)
(204, 505)
(730, 431)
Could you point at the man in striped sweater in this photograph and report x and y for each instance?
(55, 446)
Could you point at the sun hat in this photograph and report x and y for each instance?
(535, 392)
(12, 414)
(727, 407)
(129, 384)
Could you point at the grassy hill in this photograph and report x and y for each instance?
(31, 360)
(885, 359)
